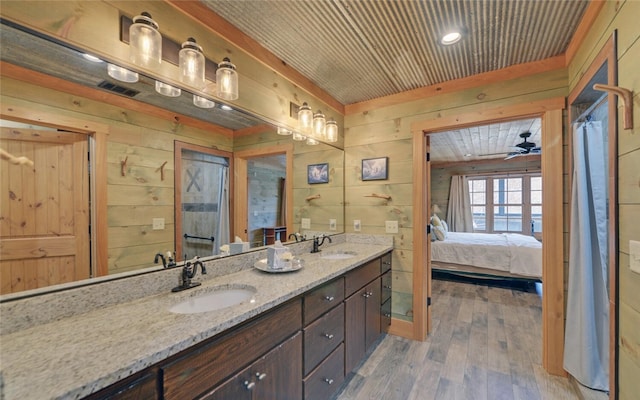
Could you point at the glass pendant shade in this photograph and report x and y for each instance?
(319, 123)
(298, 136)
(167, 90)
(202, 102)
(312, 141)
(305, 119)
(145, 42)
(226, 80)
(284, 131)
(191, 62)
(122, 74)
(331, 131)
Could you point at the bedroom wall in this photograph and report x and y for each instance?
(441, 175)
(380, 130)
(622, 16)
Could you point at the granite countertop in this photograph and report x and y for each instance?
(82, 354)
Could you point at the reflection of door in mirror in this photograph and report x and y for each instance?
(44, 208)
(202, 199)
(266, 199)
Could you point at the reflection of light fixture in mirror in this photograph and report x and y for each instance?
(298, 136)
(167, 90)
(145, 42)
(226, 107)
(451, 38)
(319, 123)
(331, 131)
(202, 102)
(91, 58)
(226, 80)
(191, 61)
(312, 141)
(284, 131)
(122, 74)
(305, 119)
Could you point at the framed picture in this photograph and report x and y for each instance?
(318, 173)
(374, 169)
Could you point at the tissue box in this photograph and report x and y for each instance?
(274, 257)
(237, 248)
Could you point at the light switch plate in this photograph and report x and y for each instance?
(356, 225)
(158, 224)
(305, 223)
(332, 224)
(391, 226)
(634, 256)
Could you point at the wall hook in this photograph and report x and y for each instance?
(315, 196)
(15, 160)
(379, 196)
(123, 166)
(161, 169)
(626, 98)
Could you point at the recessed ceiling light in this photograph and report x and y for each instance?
(451, 38)
(91, 58)
(226, 107)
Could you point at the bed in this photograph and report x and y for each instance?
(488, 254)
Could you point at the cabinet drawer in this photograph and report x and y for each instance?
(319, 300)
(202, 368)
(357, 278)
(322, 336)
(385, 261)
(327, 378)
(386, 286)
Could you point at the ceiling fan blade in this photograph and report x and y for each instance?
(536, 150)
(512, 155)
(492, 154)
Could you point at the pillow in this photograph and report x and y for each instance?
(432, 234)
(439, 232)
(445, 225)
(435, 220)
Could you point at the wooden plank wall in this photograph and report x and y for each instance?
(379, 130)
(622, 16)
(145, 143)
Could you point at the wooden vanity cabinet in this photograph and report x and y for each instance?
(276, 375)
(142, 386)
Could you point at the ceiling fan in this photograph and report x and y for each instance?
(524, 148)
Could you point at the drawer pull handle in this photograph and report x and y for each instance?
(387, 286)
(387, 315)
(249, 385)
(366, 295)
(329, 381)
(328, 336)
(329, 298)
(260, 376)
(386, 262)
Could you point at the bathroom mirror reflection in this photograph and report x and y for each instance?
(46, 78)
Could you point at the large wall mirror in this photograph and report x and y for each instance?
(144, 127)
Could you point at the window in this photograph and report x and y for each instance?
(511, 203)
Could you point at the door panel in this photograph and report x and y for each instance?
(44, 210)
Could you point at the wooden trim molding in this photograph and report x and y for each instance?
(402, 328)
(590, 15)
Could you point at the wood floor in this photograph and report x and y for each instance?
(486, 344)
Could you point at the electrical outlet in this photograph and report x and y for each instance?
(332, 224)
(305, 223)
(356, 225)
(634, 256)
(158, 224)
(391, 226)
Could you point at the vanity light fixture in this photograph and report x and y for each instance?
(202, 102)
(122, 74)
(311, 141)
(331, 131)
(226, 107)
(91, 58)
(451, 38)
(319, 124)
(145, 42)
(305, 119)
(226, 80)
(284, 131)
(191, 62)
(167, 90)
(298, 136)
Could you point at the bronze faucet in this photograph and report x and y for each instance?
(189, 270)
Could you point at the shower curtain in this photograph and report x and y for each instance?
(586, 351)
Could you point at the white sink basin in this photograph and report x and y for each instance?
(338, 255)
(214, 299)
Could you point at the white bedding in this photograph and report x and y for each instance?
(508, 252)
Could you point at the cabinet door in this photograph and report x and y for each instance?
(276, 375)
(355, 309)
(373, 311)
